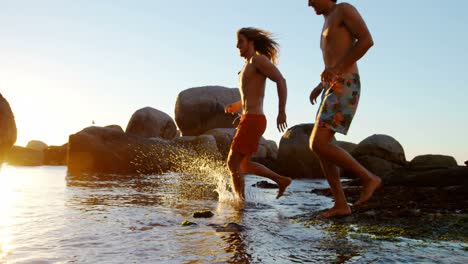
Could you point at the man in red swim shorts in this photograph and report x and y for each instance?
(260, 53)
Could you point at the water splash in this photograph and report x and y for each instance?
(193, 164)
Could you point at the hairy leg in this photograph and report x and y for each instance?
(248, 166)
(234, 160)
(320, 143)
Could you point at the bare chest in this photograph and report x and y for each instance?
(247, 74)
(333, 32)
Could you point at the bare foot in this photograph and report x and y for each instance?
(368, 190)
(336, 212)
(282, 186)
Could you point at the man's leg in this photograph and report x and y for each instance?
(248, 166)
(234, 160)
(321, 144)
(332, 174)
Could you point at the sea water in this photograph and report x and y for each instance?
(47, 216)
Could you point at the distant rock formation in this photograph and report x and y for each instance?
(107, 150)
(200, 109)
(119, 128)
(56, 155)
(7, 128)
(21, 156)
(104, 150)
(149, 122)
(37, 145)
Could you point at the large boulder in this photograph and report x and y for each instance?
(380, 154)
(56, 155)
(381, 146)
(223, 137)
(200, 109)
(149, 122)
(119, 128)
(295, 159)
(37, 145)
(433, 161)
(107, 150)
(7, 128)
(435, 177)
(347, 146)
(20, 156)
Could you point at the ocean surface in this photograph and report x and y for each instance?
(49, 217)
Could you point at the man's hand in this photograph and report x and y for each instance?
(281, 122)
(315, 93)
(229, 109)
(329, 74)
(232, 108)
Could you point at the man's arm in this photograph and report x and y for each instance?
(271, 72)
(356, 25)
(264, 65)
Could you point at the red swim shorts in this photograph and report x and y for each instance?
(249, 132)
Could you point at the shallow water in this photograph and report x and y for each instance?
(48, 217)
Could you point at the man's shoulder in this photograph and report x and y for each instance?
(346, 10)
(345, 7)
(259, 58)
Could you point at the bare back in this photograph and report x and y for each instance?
(337, 37)
(252, 88)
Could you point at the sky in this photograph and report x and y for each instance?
(65, 63)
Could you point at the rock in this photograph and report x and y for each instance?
(204, 145)
(203, 214)
(20, 156)
(430, 177)
(201, 109)
(347, 146)
(265, 185)
(7, 127)
(377, 165)
(383, 147)
(223, 137)
(37, 145)
(149, 122)
(187, 223)
(119, 128)
(56, 155)
(271, 148)
(107, 150)
(433, 161)
(295, 159)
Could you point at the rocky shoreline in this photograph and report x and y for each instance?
(426, 197)
(433, 213)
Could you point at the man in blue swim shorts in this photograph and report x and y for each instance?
(344, 40)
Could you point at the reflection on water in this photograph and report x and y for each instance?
(48, 217)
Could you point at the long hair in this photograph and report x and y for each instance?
(263, 42)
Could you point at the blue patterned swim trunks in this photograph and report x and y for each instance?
(339, 103)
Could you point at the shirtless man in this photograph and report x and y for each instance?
(260, 54)
(344, 40)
